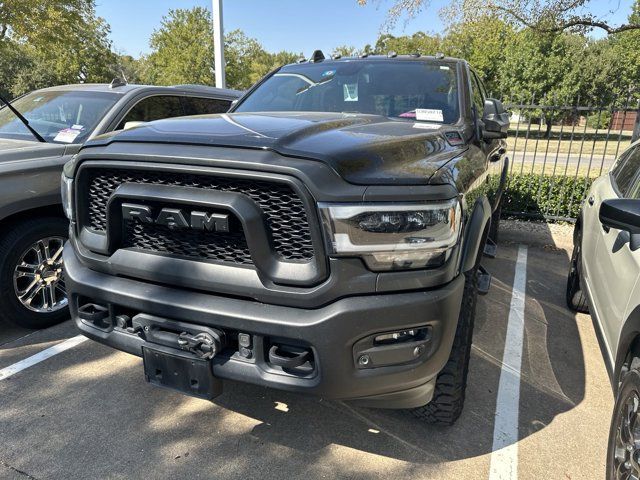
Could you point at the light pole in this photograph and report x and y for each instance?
(218, 44)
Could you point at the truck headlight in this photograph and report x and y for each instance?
(66, 190)
(391, 236)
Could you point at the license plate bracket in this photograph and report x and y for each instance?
(181, 372)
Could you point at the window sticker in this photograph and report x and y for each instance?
(429, 114)
(328, 73)
(427, 126)
(67, 135)
(77, 127)
(350, 92)
(444, 67)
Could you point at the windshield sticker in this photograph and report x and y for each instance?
(427, 126)
(350, 92)
(328, 73)
(444, 67)
(77, 127)
(429, 114)
(67, 135)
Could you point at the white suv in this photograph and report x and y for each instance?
(604, 280)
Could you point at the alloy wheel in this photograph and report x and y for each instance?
(626, 459)
(37, 279)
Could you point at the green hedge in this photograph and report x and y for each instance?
(544, 195)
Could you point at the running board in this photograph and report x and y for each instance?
(490, 249)
(484, 280)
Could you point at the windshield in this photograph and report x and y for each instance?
(59, 117)
(404, 89)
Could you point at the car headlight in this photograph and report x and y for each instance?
(393, 236)
(66, 190)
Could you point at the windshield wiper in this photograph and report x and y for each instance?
(23, 120)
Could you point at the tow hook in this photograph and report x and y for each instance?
(203, 345)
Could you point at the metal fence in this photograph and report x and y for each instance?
(557, 149)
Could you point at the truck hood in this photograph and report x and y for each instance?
(13, 150)
(363, 149)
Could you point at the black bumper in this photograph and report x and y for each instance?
(332, 333)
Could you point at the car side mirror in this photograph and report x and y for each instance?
(495, 120)
(622, 214)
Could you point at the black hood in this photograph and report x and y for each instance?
(363, 149)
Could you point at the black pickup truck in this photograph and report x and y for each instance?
(324, 236)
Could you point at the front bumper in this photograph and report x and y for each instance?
(331, 333)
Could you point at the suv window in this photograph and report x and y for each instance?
(153, 108)
(625, 170)
(203, 106)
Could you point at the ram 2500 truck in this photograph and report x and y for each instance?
(324, 236)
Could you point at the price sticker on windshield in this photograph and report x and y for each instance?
(429, 114)
(67, 135)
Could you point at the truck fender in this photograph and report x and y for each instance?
(475, 233)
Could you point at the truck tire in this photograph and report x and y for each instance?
(448, 397)
(576, 299)
(624, 435)
(31, 283)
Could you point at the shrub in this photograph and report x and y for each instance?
(543, 195)
(600, 120)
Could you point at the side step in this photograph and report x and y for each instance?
(490, 249)
(484, 280)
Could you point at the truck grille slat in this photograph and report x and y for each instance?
(283, 208)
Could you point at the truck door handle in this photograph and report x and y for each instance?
(591, 200)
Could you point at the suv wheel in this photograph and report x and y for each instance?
(448, 397)
(623, 452)
(576, 299)
(34, 295)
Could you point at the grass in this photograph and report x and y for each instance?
(582, 142)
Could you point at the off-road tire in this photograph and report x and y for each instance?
(12, 245)
(448, 398)
(575, 297)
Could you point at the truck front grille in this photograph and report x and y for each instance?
(283, 208)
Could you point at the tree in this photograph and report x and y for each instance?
(484, 43)
(419, 42)
(46, 43)
(182, 49)
(543, 15)
(182, 52)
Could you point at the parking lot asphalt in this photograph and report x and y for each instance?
(87, 412)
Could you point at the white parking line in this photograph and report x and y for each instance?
(41, 356)
(504, 456)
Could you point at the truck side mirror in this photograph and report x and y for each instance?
(495, 120)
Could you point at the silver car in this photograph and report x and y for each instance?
(39, 133)
(604, 280)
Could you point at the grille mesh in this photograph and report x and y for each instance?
(283, 208)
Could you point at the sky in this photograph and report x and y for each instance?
(293, 25)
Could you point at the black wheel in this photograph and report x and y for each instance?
(623, 452)
(576, 299)
(33, 291)
(448, 398)
(495, 223)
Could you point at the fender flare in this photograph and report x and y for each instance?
(629, 336)
(475, 233)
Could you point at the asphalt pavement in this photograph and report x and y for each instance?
(87, 413)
